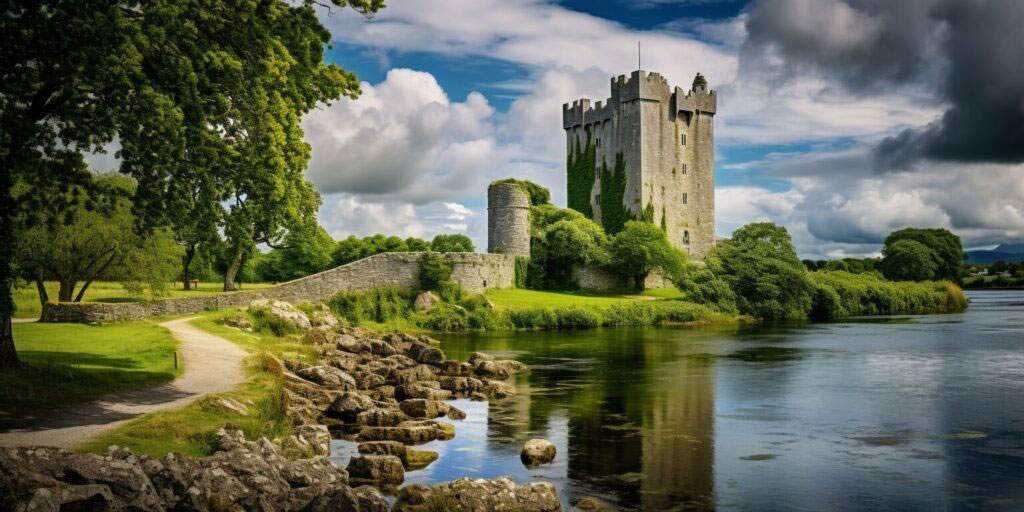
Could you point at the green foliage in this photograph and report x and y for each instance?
(538, 195)
(522, 269)
(642, 247)
(560, 239)
(307, 250)
(909, 260)
(614, 213)
(842, 294)
(352, 248)
(263, 321)
(451, 243)
(377, 305)
(946, 249)
(435, 271)
(701, 286)
(413, 244)
(762, 270)
(580, 171)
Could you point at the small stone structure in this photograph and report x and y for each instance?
(474, 272)
(508, 220)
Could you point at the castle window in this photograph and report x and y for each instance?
(684, 168)
(686, 237)
(682, 139)
(684, 198)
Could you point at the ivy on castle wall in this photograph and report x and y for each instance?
(580, 176)
(614, 214)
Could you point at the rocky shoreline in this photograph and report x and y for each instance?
(383, 392)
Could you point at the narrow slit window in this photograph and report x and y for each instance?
(682, 139)
(686, 237)
(684, 198)
(684, 168)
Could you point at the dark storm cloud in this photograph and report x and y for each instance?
(972, 50)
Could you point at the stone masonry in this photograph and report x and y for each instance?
(666, 138)
(474, 272)
(508, 220)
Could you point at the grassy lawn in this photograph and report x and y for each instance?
(191, 429)
(515, 298)
(68, 363)
(26, 299)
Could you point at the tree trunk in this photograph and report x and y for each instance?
(66, 290)
(41, 289)
(8, 354)
(186, 260)
(229, 276)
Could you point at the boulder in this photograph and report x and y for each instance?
(283, 311)
(537, 451)
(412, 375)
(348, 406)
(422, 408)
(328, 377)
(381, 417)
(426, 301)
(591, 504)
(239, 321)
(383, 448)
(377, 469)
(455, 413)
(499, 495)
(424, 353)
(421, 390)
(419, 459)
(322, 317)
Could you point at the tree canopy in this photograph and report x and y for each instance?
(640, 248)
(946, 249)
(192, 92)
(761, 268)
(909, 260)
(451, 243)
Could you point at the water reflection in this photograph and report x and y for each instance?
(919, 414)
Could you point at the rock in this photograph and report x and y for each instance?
(229, 404)
(370, 499)
(319, 337)
(455, 413)
(328, 377)
(422, 408)
(409, 432)
(421, 390)
(378, 469)
(282, 311)
(591, 504)
(453, 368)
(88, 497)
(426, 301)
(497, 389)
(310, 472)
(625, 480)
(383, 448)
(381, 348)
(501, 369)
(426, 354)
(317, 437)
(537, 451)
(412, 375)
(419, 459)
(323, 317)
(381, 417)
(348, 406)
(499, 495)
(476, 357)
(348, 343)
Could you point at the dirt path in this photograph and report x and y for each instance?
(212, 365)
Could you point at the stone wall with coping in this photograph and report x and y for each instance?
(473, 271)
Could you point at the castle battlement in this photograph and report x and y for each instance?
(641, 85)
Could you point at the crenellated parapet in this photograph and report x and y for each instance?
(697, 100)
(640, 85)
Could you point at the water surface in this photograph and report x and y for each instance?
(908, 413)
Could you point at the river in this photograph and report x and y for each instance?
(896, 413)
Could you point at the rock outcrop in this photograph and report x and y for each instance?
(475, 495)
(537, 451)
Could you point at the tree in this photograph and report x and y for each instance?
(227, 79)
(945, 246)
(568, 243)
(642, 247)
(451, 243)
(307, 251)
(909, 260)
(350, 249)
(703, 287)
(413, 244)
(762, 270)
(96, 242)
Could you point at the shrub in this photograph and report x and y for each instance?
(521, 271)
(451, 243)
(869, 294)
(376, 305)
(444, 318)
(826, 304)
(703, 287)
(263, 321)
(434, 271)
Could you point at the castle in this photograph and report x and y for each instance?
(646, 153)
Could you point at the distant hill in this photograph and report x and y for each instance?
(1002, 252)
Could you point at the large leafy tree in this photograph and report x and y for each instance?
(761, 268)
(213, 88)
(451, 243)
(908, 260)
(946, 249)
(640, 248)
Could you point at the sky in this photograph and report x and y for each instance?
(841, 120)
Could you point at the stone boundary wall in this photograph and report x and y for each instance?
(475, 272)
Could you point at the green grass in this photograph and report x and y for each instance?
(191, 429)
(26, 298)
(64, 364)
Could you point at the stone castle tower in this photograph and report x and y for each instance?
(646, 153)
(508, 219)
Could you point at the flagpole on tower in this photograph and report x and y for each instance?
(638, 67)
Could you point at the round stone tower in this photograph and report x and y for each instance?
(508, 219)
